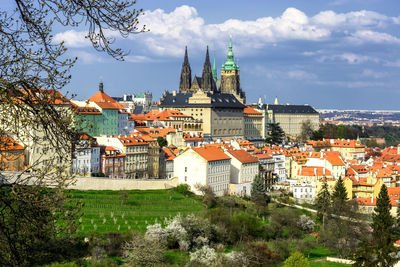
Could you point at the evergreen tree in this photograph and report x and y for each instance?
(382, 222)
(339, 198)
(258, 188)
(275, 134)
(323, 202)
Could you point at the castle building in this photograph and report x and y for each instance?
(218, 104)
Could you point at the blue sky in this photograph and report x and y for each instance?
(341, 54)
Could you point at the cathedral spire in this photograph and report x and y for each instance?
(186, 75)
(186, 58)
(214, 71)
(207, 81)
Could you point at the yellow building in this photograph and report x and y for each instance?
(348, 184)
(349, 149)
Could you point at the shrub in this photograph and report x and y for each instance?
(203, 256)
(183, 189)
(209, 198)
(306, 223)
(245, 226)
(296, 260)
(141, 251)
(259, 254)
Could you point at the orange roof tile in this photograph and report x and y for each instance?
(211, 153)
(243, 156)
(249, 111)
(102, 97)
(8, 144)
(313, 171)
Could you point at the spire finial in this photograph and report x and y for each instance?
(186, 59)
(101, 86)
(214, 70)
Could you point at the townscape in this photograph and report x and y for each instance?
(201, 176)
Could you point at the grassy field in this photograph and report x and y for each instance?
(105, 212)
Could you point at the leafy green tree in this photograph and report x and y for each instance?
(275, 134)
(35, 222)
(297, 259)
(323, 202)
(162, 142)
(306, 131)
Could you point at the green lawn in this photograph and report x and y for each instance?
(103, 212)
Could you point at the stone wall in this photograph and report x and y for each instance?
(86, 183)
(95, 183)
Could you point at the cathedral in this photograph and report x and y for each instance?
(217, 103)
(208, 82)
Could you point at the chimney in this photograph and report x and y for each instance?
(174, 92)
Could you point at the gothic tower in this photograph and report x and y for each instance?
(207, 81)
(230, 80)
(186, 75)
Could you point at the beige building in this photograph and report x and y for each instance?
(289, 117)
(253, 124)
(200, 166)
(221, 114)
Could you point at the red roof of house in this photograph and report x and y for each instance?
(243, 156)
(211, 153)
(249, 111)
(7, 144)
(313, 171)
(263, 156)
(102, 97)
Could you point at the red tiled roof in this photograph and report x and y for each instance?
(243, 156)
(211, 153)
(336, 143)
(313, 171)
(102, 97)
(8, 144)
(263, 156)
(249, 111)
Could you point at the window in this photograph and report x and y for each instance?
(185, 178)
(185, 169)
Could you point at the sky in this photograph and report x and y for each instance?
(342, 54)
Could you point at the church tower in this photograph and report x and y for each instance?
(230, 80)
(207, 80)
(186, 75)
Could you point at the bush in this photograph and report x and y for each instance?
(258, 254)
(183, 189)
(170, 235)
(203, 256)
(209, 198)
(296, 260)
(141, 251)
(306, 223)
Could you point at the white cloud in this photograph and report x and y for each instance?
(351, 58)
(86, 57)
(171, 31)
(351, 20)
(301, 75)
(373, 74)
(138, 59)
(72, 38)
(368, 36)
